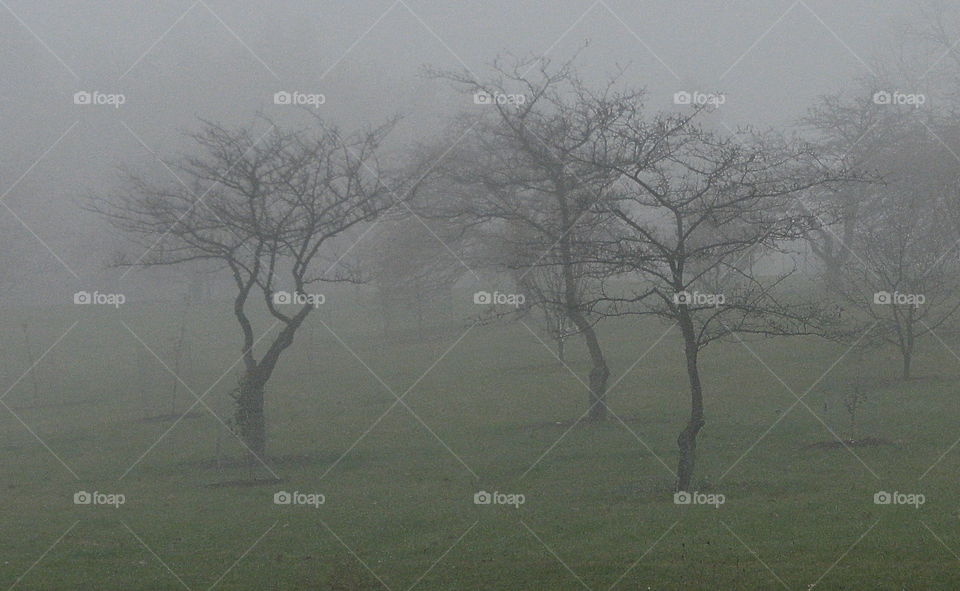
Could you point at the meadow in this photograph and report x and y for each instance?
(484, 408)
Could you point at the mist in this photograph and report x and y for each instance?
(501, 295)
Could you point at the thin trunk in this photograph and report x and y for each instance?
(906, 339)
(687, 441)
(907, 362)
(179, 356)
(599, 373)
(834, 273)
(597, 409)
(420, 297)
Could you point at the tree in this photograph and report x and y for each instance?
(522, 181)
(264, 209)
(691, 202)
(854, 134)
(411, 268)
(901, 279)
(883, 241)
(544, 290)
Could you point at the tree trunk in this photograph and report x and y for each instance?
(833, 271)
(420, 297)
(597, 398)
(598, 391)
(599, 373)
(906, 345)
(831, 257)
(687, 441)
(250, 419)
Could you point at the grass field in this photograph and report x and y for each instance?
(494, 414)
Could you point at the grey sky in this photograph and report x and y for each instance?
(175, 61)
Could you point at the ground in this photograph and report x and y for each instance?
(494, 414)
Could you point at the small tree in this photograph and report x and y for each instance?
(902, 279)
(411, 268)
(266, 209)
(544, 289)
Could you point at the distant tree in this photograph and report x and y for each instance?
(263, 208)
(851, 133)
(412, 269)
(544, 289)
(903, 274)
(889, 238)
(928, 54)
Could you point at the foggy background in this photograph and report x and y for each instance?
(513, 290)
(222, 61)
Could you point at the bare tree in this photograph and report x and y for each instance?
(931, 43)
(544, 290)
(412, 269)
(521, 170)
(854, 134)
(901, 279)
(883, 241)
(264, 209)
(689, 203)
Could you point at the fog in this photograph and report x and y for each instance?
(176, 62)
(774, 178)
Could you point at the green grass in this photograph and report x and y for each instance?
(400, 500)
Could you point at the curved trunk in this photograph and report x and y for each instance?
(597, 409)
(687, 440)
(249, 417)
(598, 376)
